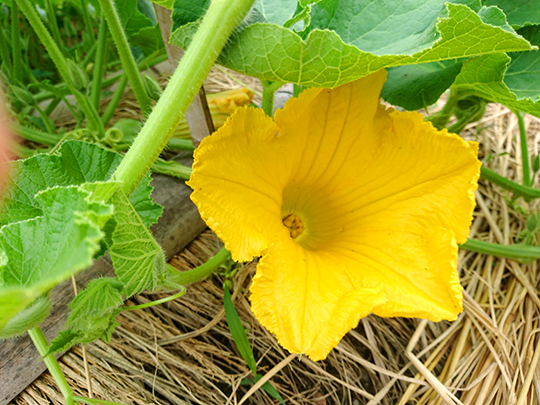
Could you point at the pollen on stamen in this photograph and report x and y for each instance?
(294, 224)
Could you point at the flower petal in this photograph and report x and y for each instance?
(421, 178)
(307, 299)
(418, 272)
(238, 182)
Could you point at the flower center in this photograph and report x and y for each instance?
(295, 225)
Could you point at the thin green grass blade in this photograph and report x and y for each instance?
(237, 331)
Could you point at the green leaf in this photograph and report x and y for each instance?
(475, 5)
(519, 13)
(276, 11)
(76, 163)
(510, 80)
(92, 316)
(237, 331)
(164, 3)
(131, 18)
(326, 59)
(44, 251)
(148, 40)
(138, 260)
(418, 86)
(270, 390)
(30, 317)
(147, 9)
(53, 215)
(523, 74)
(186, 11)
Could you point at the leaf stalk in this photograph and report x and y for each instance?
(528, 193)
(269, 90)
(519, 253)
(198, 273)
(99, 67)
(525, 165)
(37, 336)
(221, 19)
(128, 62)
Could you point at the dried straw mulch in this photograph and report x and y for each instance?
(182, 352)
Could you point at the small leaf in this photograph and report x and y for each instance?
(164, 3)
(418, 86)
(270, 389)
(138, 260)
(132, 19)
(237, 331)
(53, 215)
(76, 163)
(519, 13)
(93, 314)
(276, 11)
(46, 250)
(186, 11)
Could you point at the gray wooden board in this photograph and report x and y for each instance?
(180, 223)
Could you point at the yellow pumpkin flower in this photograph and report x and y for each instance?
(355, 208)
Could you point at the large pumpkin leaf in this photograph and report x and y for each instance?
(512, 80)
(54, 216)
(41, 252)
(350, 39)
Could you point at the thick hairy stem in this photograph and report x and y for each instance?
(221, 19)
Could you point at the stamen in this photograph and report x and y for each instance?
(295, 225)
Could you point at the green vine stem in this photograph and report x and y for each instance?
(4, 50)
(156, 302)
(198, 273)
(38, 136)
(88, 109)
(519, 253)
(143, 65)
(115, 100)
(46, 120)
(440, 119)
(528, 193)
(52, 105)
(524, 149)
(171, 168)
(297, 89)
(16, 44)
(128, 62)
(89, 56)
(37, 336)
(99, 67)
(269, 89)
(222, 17)
(89, 27)
(180, 144)
(53, 24)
